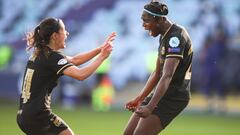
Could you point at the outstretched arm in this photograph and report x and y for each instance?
(84, 57)
(85, 72)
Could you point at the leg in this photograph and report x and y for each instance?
(67, 131)
(132, 123)
(149, 126)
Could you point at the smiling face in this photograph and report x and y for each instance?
(61, 36)
(150, 24)
(58, 38)
(153, 24)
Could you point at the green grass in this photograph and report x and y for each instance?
(83, 121)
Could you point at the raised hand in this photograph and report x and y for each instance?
(106, 50)
(109, 40)
(106, 47)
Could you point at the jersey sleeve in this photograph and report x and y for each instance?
(174, 47)
(58, 63)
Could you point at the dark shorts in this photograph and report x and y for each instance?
(43, 124)
(167, 109)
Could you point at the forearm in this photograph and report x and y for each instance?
(88, 70)
(162, 86)
(84, 57)
(151, 83)
(161, 89)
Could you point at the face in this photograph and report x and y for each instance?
(61, 36)
(151, 24)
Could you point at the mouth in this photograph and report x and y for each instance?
(150, 32)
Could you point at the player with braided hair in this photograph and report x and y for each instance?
(171, 78)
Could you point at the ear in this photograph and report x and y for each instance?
(54, 36)
(161, 19)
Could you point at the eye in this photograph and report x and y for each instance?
(147, 20)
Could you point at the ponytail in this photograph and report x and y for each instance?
(40, 37)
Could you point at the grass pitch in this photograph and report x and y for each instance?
(84, 121)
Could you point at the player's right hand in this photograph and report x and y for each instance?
(106, 50)
(109, 40)
(107, 47)
(133, 104)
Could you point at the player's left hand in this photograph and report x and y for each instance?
(143, 111)
(133, 104)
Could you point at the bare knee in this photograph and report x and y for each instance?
(128, 131)
(66, 132)
(140, 132)
(132, 123)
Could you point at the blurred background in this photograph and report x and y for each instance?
(213, 25)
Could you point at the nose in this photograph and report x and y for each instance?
(144, 24)
(67, 33)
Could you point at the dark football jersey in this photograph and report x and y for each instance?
(177, 44)
(41, 76)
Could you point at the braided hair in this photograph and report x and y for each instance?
(39, 39)
(156, 8)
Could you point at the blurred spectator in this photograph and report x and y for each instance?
(5, 56)
(212, 57)
(103, 91)
(103, 94)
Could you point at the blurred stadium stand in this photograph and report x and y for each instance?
(89, 22)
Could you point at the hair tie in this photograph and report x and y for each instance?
(38, 27)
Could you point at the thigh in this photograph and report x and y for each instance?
(53, 124)
(149, 126)
(132, 123)
(44, 123)
(168, 109)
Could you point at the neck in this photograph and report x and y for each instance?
(166, 28)
(52, 46)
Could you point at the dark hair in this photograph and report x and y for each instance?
(40, 37)
(157, 8)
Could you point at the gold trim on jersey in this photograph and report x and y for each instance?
(57, 121)
(188, 73)
(167, 31)
(33, 57)
(26, 93)
(174, 55)
(19, 111)
(190, 50)
(62, 68)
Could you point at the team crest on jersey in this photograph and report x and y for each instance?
(57, 121)
(62, 61)
(174, 42)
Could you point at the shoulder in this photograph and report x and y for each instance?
(54, 55)
(178, 34)
(57, 57)
(178, 30)
(182, 31)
